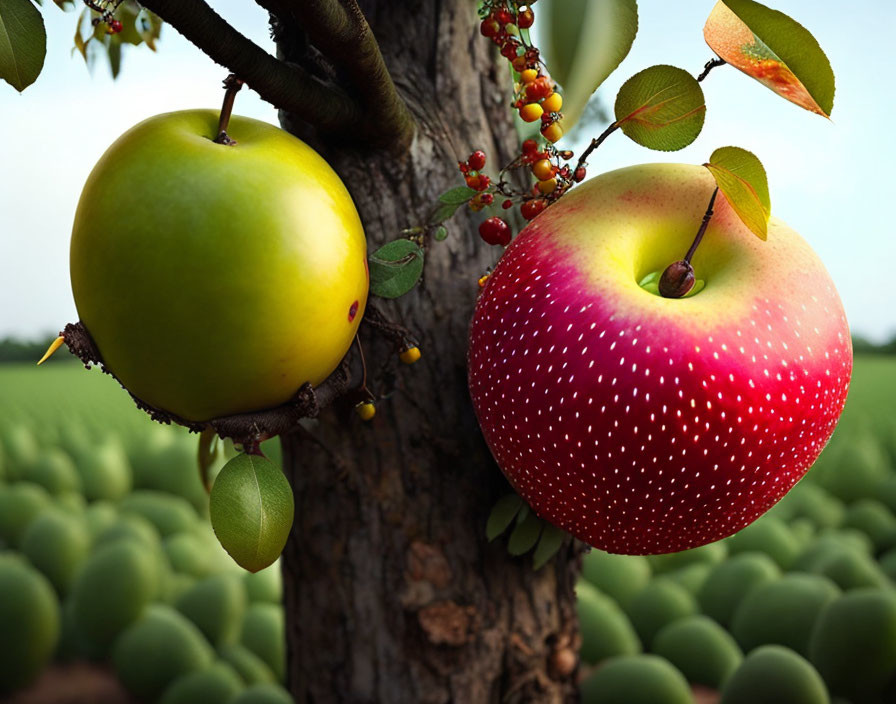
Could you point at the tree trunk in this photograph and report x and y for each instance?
(392, 592)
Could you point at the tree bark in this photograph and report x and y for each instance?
(392, 592)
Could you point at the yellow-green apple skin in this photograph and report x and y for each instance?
(217, 279)
(644, 424)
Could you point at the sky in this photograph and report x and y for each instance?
(828, 179)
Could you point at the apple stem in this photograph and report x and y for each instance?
(232, 85)
(703, 225)
(678, 278)
(709, 66)
(595, 143)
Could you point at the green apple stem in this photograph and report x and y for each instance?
(709, 66)
(595, 143)
(232, 85)
(678, 278)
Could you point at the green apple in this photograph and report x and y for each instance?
(217, 279)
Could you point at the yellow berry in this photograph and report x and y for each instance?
(482, 280)
(552, 132)
(552, 103)
(531, 112)
(529, 75)
(547, 186)
(366, 410)
(543, 169)
(410, 355)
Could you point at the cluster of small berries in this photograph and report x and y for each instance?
(535, 95)
(106, 10)
(471, 170)
(553, 177)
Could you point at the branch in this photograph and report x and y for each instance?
(284, 85)
(340, 30)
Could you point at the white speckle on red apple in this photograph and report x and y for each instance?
(642, 424)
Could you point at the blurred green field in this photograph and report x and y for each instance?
(106, 555)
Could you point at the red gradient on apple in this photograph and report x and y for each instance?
(648, 425)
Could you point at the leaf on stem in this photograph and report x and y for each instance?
(395, 268)
(584, 41)
(251, 508)
(661, 107)
(503, 512)
(23, 43)
(551, 539)
(775, 50)
(525, 534)
(741, 178)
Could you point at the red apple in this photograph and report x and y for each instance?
(642, 424)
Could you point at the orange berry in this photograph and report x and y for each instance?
(552, 103)
(547, 186)
(552, 132)
(529, 75)
(531, 112)
(519, 64)
(543, 169)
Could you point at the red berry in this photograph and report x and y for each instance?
(530, 146)
(489, 28)
(579, 174)
(464, 167)
(473, 181)
(507, 204)
(487, 198)
(484, 182)
(532, 207)
(477, 160)
(539, 88)
(508, 51)
(114, 27)
(525, 19)
(495, 230)
(504, 16)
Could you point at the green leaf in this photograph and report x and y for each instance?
(150, 27)
(457, 196)
(551, 540)
(661, 107)
(113, 49)
(251, 508)
(502, 514)
(775, 50)
(395, 268)
(209, 450)
(741, 178)
(584, 41)
(440, 234)
(525, 534)
(23, 43)
(442, 213)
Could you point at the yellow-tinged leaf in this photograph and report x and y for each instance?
(775, 50)
(741, 178)
(54, 345)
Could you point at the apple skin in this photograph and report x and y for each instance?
(642, 424)
(217, 279)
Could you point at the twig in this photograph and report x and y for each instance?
(709, 66)
(595, 143)
(284, 85)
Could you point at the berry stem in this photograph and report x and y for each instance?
(595, 143)
(709, 66)
(232, 85)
